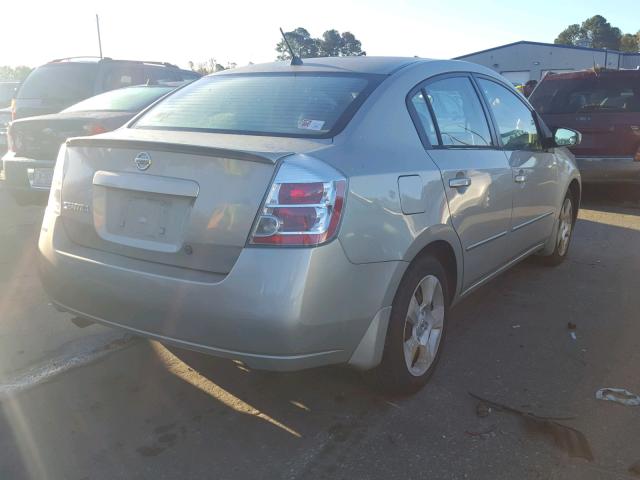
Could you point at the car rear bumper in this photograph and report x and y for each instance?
(17, 181)
(278, 309)
(609, 169)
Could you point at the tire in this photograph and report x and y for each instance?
(413, 345)
(567, 220)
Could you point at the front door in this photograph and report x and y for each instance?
(476, 174)
(535, 171)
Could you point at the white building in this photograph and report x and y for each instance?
(523, 61)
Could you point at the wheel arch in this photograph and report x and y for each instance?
(443, 243)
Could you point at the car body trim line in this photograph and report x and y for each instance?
(533, 220)
(485, 241)
(506, 266)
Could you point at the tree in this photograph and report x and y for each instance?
(14, 74)
(595, 32)
(630, 43)
(570, 35)
(351, 45)
(600, 33)
(210, 66)
(331, 44)
(301, 42)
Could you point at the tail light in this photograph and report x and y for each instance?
(94, 128)
(304, 205)
(637, 157)
(55, 195)
(13, 109)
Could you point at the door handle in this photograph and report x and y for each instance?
(459, 182)
(520, 178)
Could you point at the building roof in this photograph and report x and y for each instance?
(554, 45)
(363, 64)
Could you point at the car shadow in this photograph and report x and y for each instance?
(612, 198)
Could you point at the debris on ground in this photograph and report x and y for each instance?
(515, 326)
(635, 469)
(572, 330)
(482, 409)
(81, 322)
(619, 395)
(484, 433)
(568, 439)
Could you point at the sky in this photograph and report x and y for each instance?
(244, 31)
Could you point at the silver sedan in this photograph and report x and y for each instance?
(292, 216)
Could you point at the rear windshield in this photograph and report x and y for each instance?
(302, 105)
(132, 99)
(592, 94)
(62, 81)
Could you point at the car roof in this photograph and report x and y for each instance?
(89, 59)
(591, 73)
(352, 64)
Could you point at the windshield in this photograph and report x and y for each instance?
(60, 81)
(588, 94)
(131, 99)
(307, 105)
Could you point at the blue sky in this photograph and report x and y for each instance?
(241, 31)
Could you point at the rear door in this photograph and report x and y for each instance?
(476, 175)
(535, 170)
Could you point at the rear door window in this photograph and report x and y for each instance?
(60, 81)
(516, 125)
(458, 113)
(614, 92)
(302, 105)
(424, 117)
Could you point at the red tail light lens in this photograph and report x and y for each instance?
(298, 212)
(94, 129)
(300, 193)
(637, 157)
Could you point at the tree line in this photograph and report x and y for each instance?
(331, 44)
(11, 74)
(597, 32)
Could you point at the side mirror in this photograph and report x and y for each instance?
(566, 137)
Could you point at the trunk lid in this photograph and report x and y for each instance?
(189, 200)
(40, 137)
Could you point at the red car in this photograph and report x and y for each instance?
(603, 105)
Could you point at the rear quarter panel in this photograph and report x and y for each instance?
(379, 145)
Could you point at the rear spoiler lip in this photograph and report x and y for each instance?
(249, 156)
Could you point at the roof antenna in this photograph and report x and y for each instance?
(295, 60)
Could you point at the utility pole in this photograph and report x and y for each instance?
(99, 40)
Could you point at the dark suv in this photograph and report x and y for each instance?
(64, 82)
(603, 105)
